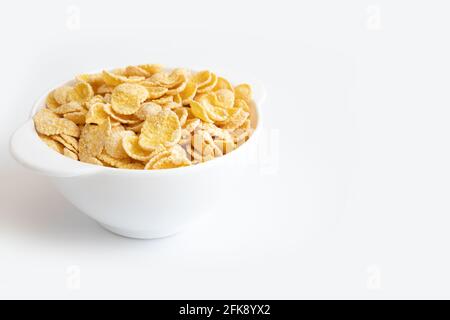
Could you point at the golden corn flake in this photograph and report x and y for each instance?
(182, 114)
(130, 144)
(244, 92)
(163, 100)
(148, 109)
(63, 94)
(170, 163)
(223, 83)
(81, 92)
(146, 117)
(51, 102)
(104, 89)
(113, 79)
(178, 88)
(189, 92)
(171, 81)
(95, 99)
(151, 68)
(202, 78)
(154, 91)
(171, 105)
(209, 85)
(49, 123)
(95, 79)
(73, 142)
(136, 128)
(155, 158)
(174, 158)
(162, 129)
(225, 98)
(237, 118)
(241, 104)
(78, 117)
(96, 114)
(113, 143)
(200, 111)
(69, 107)
(213, 108)
(115, 117)
(120, 163)
(136, 71)
(92, 140)
(127, 98)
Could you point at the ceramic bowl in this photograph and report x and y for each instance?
(142, 204)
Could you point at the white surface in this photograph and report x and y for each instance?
(357, 203)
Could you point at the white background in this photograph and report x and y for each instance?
(356, 204)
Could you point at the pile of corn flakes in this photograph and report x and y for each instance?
(146, 117)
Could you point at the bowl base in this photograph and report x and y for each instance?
(138, 234)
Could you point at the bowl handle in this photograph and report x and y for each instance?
(28, 149)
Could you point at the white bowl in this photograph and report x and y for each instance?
(142, 204)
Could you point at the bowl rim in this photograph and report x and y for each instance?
(258, 100)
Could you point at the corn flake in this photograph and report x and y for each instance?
(223, 83)
(148, 109)
(92, 140)
(63, 94)
(162, 129)
(146, 117)
(120, 163)
(189, 92)
(209, 85)
(81, 92)
(132, 148)
(113, 143)
(68, 107)
(48, 123)
(244, 92)
(78, 117)
(127, 98)
(96, 114)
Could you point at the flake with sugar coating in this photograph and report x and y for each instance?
(244, 92)
(131, 146)
(82, 92)
(162, 129)
(48, 123)
(147, 109)
(126, 98)
(113, 143)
